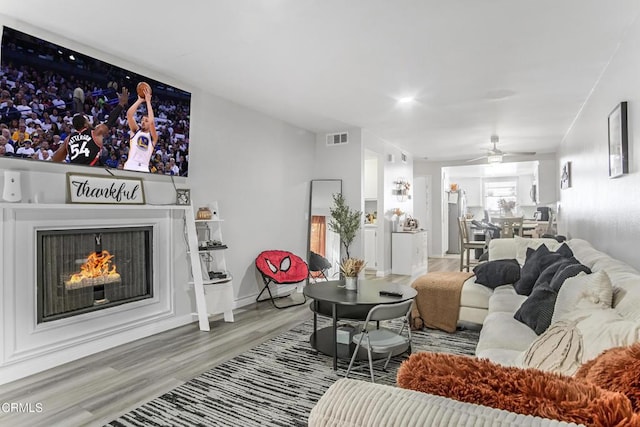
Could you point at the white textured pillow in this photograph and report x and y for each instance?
(523, 243)
(559, 349)
(583, 292)
(578, 338)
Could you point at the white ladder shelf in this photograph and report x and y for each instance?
(213, 295)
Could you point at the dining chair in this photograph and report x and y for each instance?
(466, 245)
(383, 340)
(510, 225)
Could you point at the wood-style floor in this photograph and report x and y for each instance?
(96, 389)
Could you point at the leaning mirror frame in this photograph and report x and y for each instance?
(323, 245)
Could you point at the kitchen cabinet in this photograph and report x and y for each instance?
(525, 182)
(370, 179)
(370, 250)
(548, 182)
(409, 255)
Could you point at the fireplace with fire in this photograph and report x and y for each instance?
(90, 269)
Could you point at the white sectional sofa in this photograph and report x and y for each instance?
(505, 340)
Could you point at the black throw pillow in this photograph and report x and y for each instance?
(535, 263)
(565, 251)
(531, 261)
(537, 310)
(496, 273)
(565, 272)
(547, 274)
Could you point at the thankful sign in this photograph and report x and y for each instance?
(82, 188)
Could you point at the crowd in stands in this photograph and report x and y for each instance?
(36, 108)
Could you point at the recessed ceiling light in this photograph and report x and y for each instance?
(406, 99)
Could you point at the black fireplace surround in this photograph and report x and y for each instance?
(83, 270)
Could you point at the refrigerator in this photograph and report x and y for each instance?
(457, 207)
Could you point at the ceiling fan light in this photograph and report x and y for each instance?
(494, 158)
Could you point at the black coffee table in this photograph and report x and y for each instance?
(332, 299)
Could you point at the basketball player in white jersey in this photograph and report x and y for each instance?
(143, 137)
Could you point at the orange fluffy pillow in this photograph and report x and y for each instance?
(616, 369)
(523, 391)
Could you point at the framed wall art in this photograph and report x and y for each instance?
(618, 141)
(90, 188)
(565, 176)
(183, 196)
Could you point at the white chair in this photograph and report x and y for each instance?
(383, 340)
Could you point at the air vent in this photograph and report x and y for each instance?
(337, 138)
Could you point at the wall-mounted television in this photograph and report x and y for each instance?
(44, 85)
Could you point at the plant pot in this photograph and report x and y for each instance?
(351, 283)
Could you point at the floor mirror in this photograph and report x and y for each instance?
(323, 253)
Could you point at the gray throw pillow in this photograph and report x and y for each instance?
(566, 272)
(550, 271)
(537, 310)
(535, 263)
(496, 273)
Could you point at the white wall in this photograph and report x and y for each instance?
(345, 162)
(258, 168)
(601, 210)
(389, 171)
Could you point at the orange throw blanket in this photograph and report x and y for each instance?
(437, 304)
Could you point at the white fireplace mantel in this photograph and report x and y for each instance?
(29, 347)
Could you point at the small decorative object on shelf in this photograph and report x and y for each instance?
(402, 188)
(410, 223)
(204, 213)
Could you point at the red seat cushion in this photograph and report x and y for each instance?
(282, 266)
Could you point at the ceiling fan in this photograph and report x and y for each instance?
(495, 155)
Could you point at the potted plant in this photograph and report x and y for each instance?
(344, 221)
(350, 268)
(507, 206)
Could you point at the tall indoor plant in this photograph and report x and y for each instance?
(344, 221)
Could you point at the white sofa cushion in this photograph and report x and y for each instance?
(502, 356)
(357, 403)
(506, 302)
(501, 331)
(475, 294)
(602, 329)
(582, 292)
(502, 249)
(522, 244)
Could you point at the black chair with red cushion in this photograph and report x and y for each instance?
(282, 268)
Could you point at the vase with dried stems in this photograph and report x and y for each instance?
(350, 269)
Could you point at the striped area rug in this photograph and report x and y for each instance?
(274, 384)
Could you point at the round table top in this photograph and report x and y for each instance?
(368, 292)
